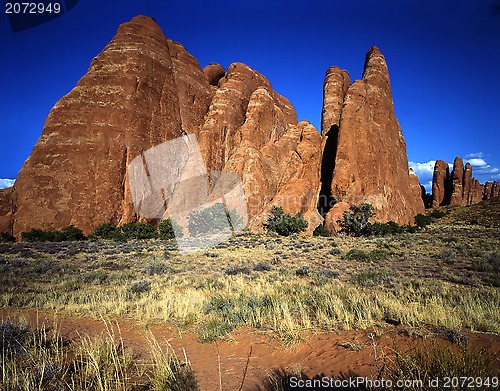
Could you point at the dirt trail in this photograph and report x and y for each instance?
(329, 354)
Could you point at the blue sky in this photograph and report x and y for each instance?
(443, 59)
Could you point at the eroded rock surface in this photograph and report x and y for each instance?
(144, 89)
(369, 156)
(459, 188)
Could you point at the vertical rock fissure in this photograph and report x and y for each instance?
(326, 200)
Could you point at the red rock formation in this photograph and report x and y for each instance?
(144, 89)
(491, 190)
(370, 161)
(140, 91)
(213, 73)
(460, 188)
(467, 183)
(335, 87)
(496, 190)
(488, 190)
(6, 218)
(440, 183)
(132, 97)
(476, 192)
(457, 182)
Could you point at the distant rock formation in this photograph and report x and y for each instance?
(365, 148)
(144, 89)
(459, 187)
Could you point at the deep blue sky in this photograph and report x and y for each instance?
(443, 57)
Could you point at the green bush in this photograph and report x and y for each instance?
(422, 220)
(38, 235)
(285, 224)
(6, 237)
(212, 220)
(437, 214)
(167, 229)
(139, 231)
(382, 229)
(355, 220)
(106, 231)
(360, 255)
(321, 230)
(70, 233)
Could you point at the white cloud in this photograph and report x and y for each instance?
(424, 171)
(479, 155)
(477, 162)
(6, 183)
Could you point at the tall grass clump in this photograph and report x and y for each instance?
(450, 367)
(41, 359)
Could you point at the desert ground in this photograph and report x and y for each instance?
(255, 311)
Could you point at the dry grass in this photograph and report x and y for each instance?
(444, 276)
(41, 359)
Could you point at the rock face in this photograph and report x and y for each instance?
(440, 182)
(459, 188)
(6, 210)
(144, 89)
(457, 182)
(365, 148)
(140, 91)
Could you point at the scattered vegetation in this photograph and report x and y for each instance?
(168, 229)
(42, 359)
(285, 224)
(70, 233)
(321, 230)
(430, 368)
(355, 220)
(6, 237)
(213, 220)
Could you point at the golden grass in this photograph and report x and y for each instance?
(445, 276)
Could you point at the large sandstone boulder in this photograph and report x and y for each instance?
(368, 155)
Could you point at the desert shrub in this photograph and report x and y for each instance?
(105, 231)
(355, 220)
(168, 228)
(303, 271)
(440, 362)
(437, 214)
(382, 229)
(321, 230)
(262, 267)
(6, 237)
(139, 231)
(285, 224)
(360, 255)
(141, 286)
(38, 235)
(372, 278)
(213, 219)
(422, 220)
(70, 233)
(234, 270)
